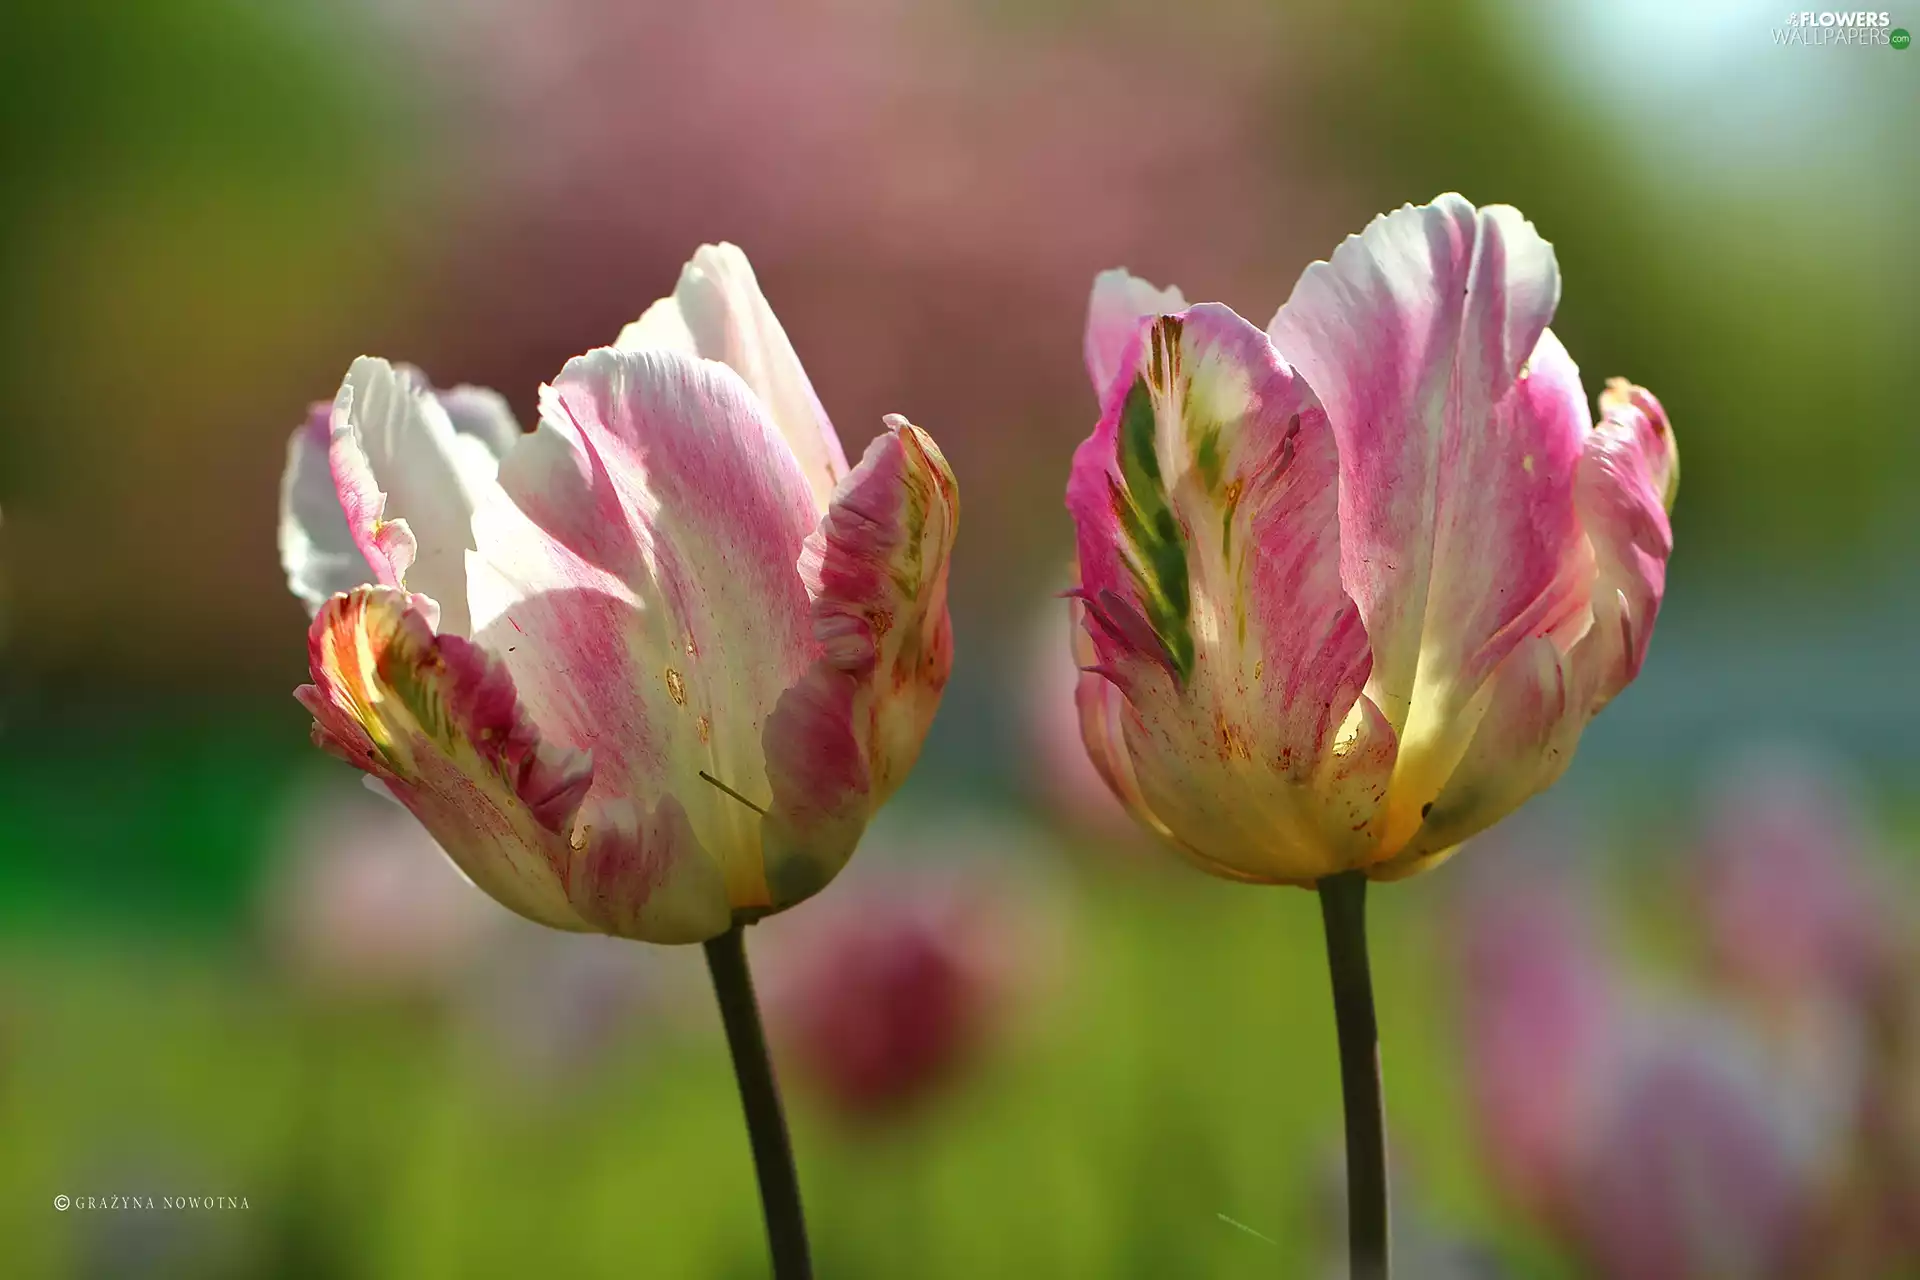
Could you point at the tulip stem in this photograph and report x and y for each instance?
(760, 1099)
(1343, 912)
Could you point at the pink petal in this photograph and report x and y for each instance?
(876, 570)
(718, 312)
(1101, 712)
(1628, 472)
(1210, 572)
(437, 720)
(642, 873)
(637, 575)
(1543, 694)
(1459, 423)
(1114, 313)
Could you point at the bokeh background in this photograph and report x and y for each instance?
(1663, 1024)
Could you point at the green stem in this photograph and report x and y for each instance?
(760, 1098)
(1343, 911)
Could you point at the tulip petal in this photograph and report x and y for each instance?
(1524, 741)
(636, 574)
(1544, 693)
(876, 573)
(1628, 474)
(1459, 422)
(1209, 552)
(408, 479)
(1119, 303)
(436, 719)
(642, 874)
(316, 547)
(717, 312)
(1101, 709)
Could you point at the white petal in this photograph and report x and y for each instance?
(408, 480)
(316, 548)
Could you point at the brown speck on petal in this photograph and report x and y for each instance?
(676, 688)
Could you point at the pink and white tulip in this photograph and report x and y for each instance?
(650, 667)
(1355, 584)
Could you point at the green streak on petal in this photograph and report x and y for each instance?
(1159, 560)
(1206, 454)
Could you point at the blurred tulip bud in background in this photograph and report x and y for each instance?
(1355, 584)
(649, 669)
(1537, 1010)
(1654, 1134)
(1812, 925)
(1789, 883)
(903, 979)
(361, 905)
(1701, 1160)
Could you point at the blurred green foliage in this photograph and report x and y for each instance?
(1182, 1072)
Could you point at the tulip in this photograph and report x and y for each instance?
(1354, 585)
(652, 666)
(649, 669)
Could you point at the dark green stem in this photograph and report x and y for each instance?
(760, 1098)
(1343, 911)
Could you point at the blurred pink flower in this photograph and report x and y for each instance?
(896, 984)
(1786, 884)
(361, 903)
(1538, 1008)
(1700, 1161)
(1656, 1141)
